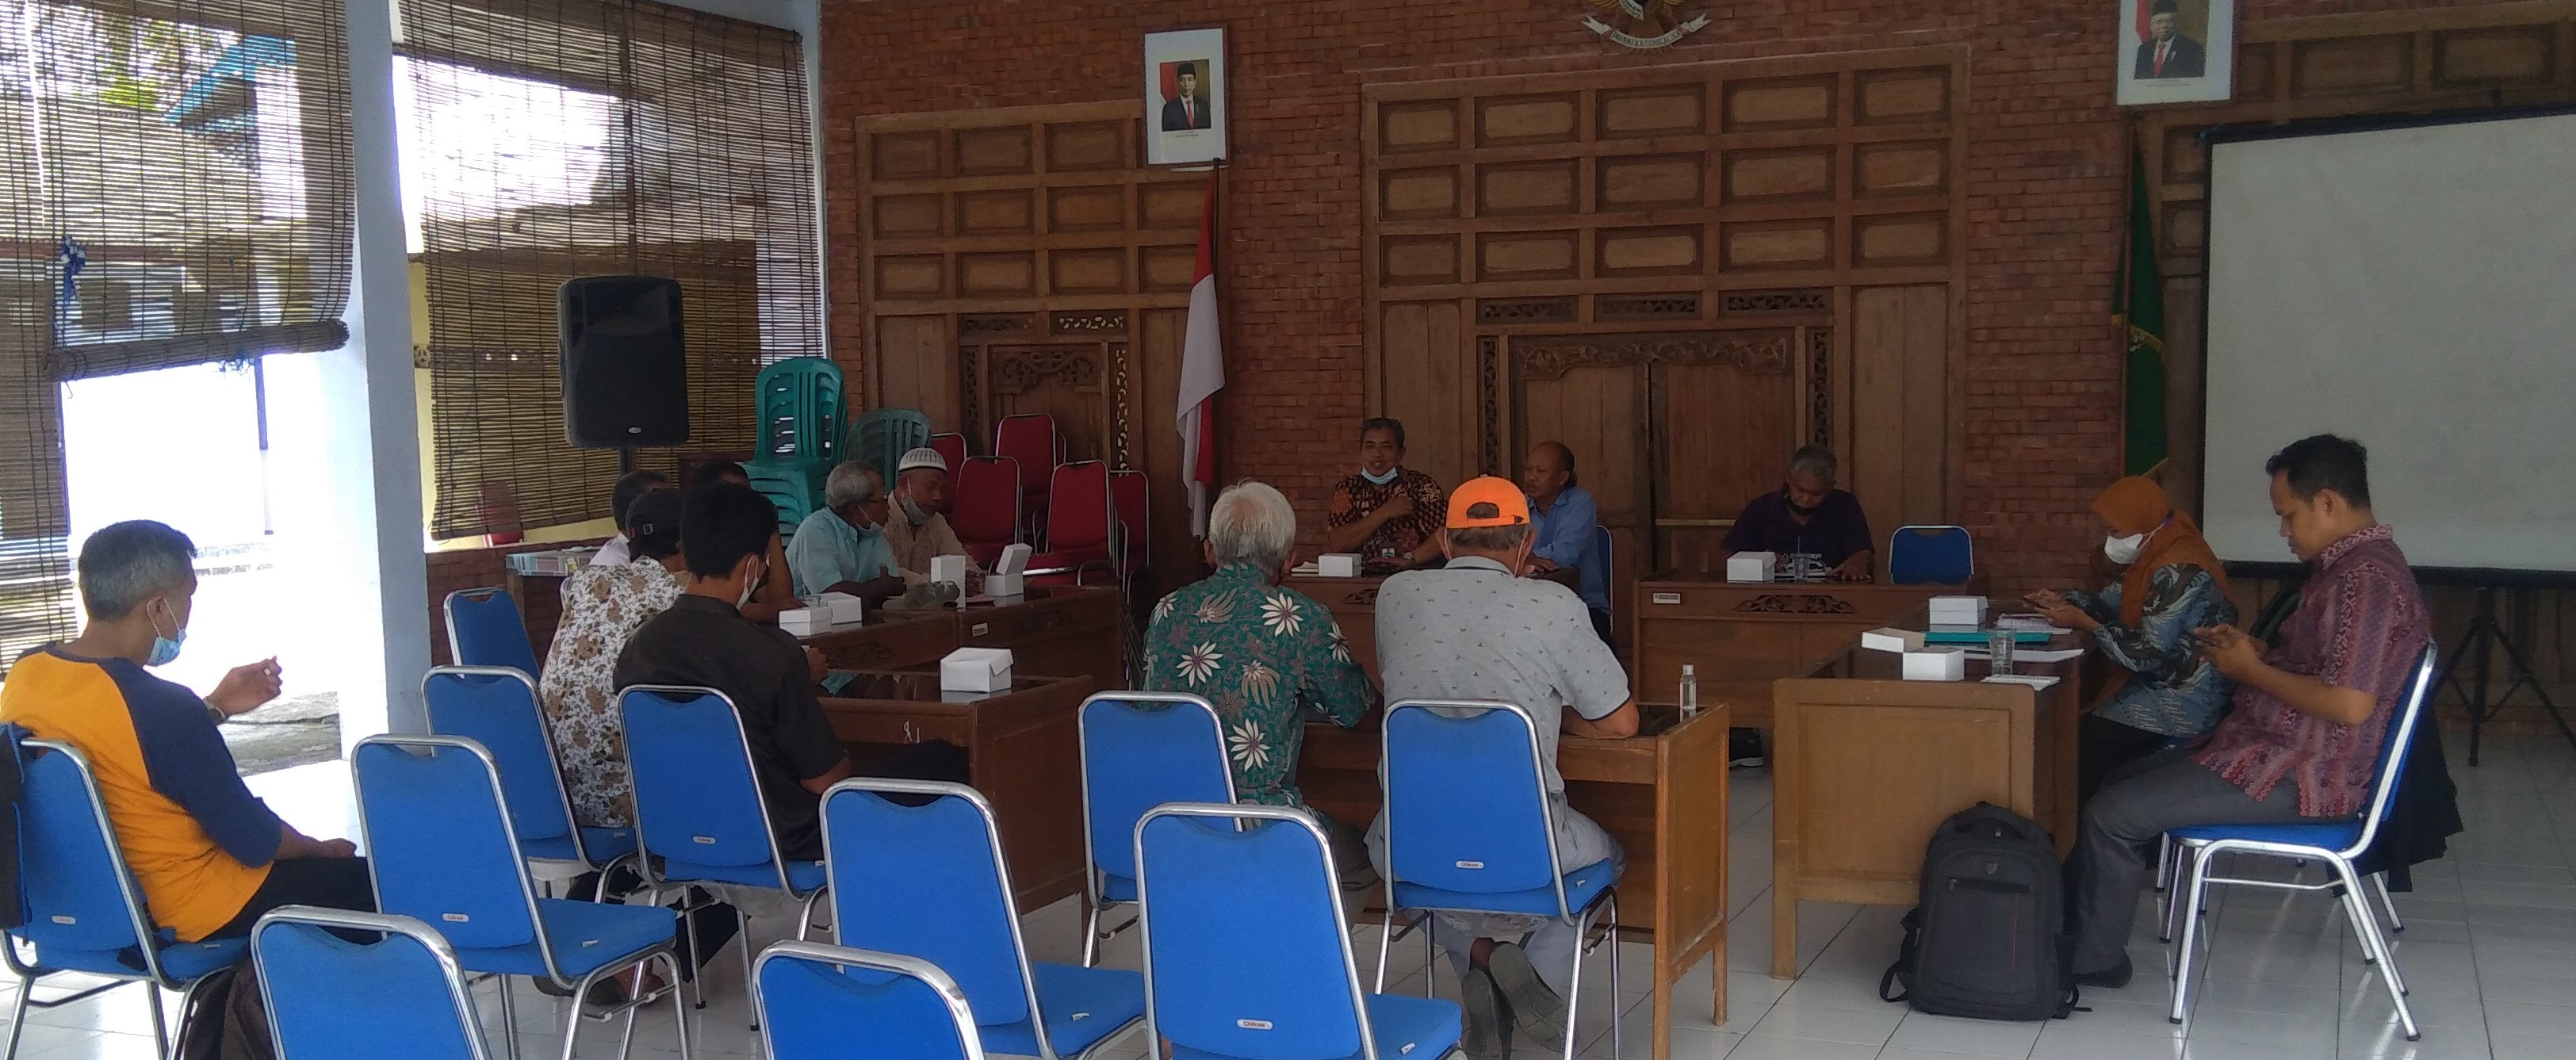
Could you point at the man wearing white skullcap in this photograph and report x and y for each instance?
(918, 529)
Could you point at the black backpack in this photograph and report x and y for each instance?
(1989, 939)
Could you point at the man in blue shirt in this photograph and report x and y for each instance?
(1564, 519)
(843, 549)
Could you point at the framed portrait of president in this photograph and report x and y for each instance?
(1185, 97)
(2176, 51)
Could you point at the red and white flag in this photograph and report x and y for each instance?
(1202, 374)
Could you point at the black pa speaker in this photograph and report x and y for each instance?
(625, 374)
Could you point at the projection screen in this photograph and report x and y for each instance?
(2413, 288)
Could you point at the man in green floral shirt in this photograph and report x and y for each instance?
(1263, 653)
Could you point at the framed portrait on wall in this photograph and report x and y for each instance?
(2176, 51)
(1185, 97)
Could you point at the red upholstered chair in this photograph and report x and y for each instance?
(951, 447)
(1031, 439)
(986, 514)
(1130, 492)
(1082, 527)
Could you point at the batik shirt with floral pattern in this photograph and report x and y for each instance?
(1263, 655)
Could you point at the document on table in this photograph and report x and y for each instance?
(2037, 655)
(2035, 681)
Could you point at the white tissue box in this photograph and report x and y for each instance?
(1936, 665)
(1337, 565)
(976, 670)
(843, 608)
(1958, 610)
(1887, 638)
(1014, 559)
(1005, 585)
(1751, 566)
(805, 621)
(950, 569)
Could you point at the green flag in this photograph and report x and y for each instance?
(2139, 306)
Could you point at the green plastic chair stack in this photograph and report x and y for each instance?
(880, 438)
(800, 429)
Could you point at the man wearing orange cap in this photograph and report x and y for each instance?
(1476, 629)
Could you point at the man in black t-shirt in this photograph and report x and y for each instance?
(1808, 515)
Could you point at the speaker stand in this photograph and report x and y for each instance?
(2483, 634)
(625, 461)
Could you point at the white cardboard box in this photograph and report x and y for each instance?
(1014, 559)
(1889, 638)
(805, 621)
(1936, 665)
(843, 609)
(950, 569)
(1005, 586)
(976, 670)
(1751, 566)
(1958, 610)
(1337, 565)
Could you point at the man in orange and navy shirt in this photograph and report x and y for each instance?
(210, 856)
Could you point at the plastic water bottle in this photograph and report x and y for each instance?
(1690, 691)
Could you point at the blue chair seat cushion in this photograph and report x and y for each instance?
(603, 845)
(804, 876)
(2324, 835)
(1082, 1007)
(181, 961)
(1581, 887)
(1117, 888)
(1406, 1028)
(586, 936)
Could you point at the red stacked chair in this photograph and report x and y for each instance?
(1031, 439)
(1082, 527)
(1128, 490)
(951, 447)
(986, 515)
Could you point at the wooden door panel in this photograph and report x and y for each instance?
(1593, 411)
(1067, 382)
(916, 369)
(1900, 405)
(1427, 385)
(1726, 413)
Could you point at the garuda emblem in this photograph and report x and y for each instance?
(1642, 23)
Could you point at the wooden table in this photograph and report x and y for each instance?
(1661, 794)
(1059, 632)
(1866, 765)
(1741, 636)
(1022, 749)
(1353, 602)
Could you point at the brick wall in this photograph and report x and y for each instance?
(2046, 171)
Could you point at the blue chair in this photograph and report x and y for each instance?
(1596, 566)
(1209, 885)
(85, 913)
(1931, 555)
(497, 707)
(329, 998)
(1139, 750)
(2335, 843)
(700, 823)
(929, 881)
(484, 629)
(441, 849)
(1470, 829)
(819, 1002)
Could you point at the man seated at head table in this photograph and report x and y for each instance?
(726, 533)
(1563, 520)
(918, 529)
(776, 591)
(618, 551)
(1388, 514)
(1476, 629)
(842, 548)
(2310, 712)
(1808, 515)
(211, 858)
(1263, 655)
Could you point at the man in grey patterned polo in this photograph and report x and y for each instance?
(1478, 629)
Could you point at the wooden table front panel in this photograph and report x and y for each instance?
(1056, 633)
(890, 641)
(1739, 637)
(1023, 752)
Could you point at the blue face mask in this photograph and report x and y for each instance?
(1374, 477)
(913, 512)
(165, 650)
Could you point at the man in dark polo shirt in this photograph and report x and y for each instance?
(1808, 515)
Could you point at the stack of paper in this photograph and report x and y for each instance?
(1958, 610)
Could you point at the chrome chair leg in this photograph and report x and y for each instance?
(2379, 882)
(742, 938)
(1385, 943)
(510, 1016)
(160, 1022)
(1091, 934)
(1617, 999)
(2366, 924)
(1574, 980)
(2196, 891)
(18, 1010)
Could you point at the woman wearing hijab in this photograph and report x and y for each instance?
(2164, 693)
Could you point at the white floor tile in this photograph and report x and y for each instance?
(1945, 1034)
(2067, 1041)
(1828, 1025)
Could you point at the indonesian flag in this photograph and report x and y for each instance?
(1202, 374)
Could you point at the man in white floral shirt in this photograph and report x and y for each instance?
(1263, 654)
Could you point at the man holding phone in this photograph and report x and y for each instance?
(2302, 743)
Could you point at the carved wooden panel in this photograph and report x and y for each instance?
(1169, 268)
(2352, 65)
(1648, 251)
(1888, 96)
(1410, 194)
(1645, 181)
(1900, 239)
(1777, 245)
(1088, 208)
(1419, 259)
(1525, 187)
(907, 216)
(1800, 173)
(905, 156)
(1176, 206)
(1511, 120)
(1780, 103)
(912, 275)
(1067, 382)
(1655, 110)
(1002, 212)
(1009, 273)
(1085, 145)
(1097, 271)
(1002, 149)
(1725, 425)
(2509, 56)
(1525, 255)
(1903, 167)
(1418, 126)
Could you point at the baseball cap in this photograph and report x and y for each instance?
(915, 459)
(1511, 506)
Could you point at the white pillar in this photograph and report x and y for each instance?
(375, 447)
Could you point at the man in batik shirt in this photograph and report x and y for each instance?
(1390, 514)
(1263, 654)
